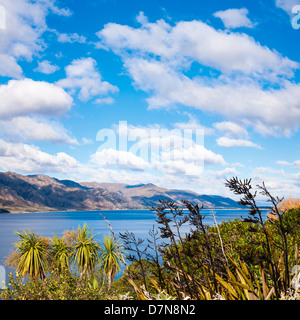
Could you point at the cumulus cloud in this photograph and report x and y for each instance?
(70, 38)
(276, 109)
(27, 158)
(27, 110)
(46, 67)
(28, 107)
(31, 129)
(193, 124)
(66, 12)
(141, 18)
(29, 97)
(278, 182)
(84, 78)
(194, 154)
(189, 41)
(120, 159)
(157, 57)
(231, 129)
(22, 39)
(223, 174)
(181, 163)
(235, 18)
(189, 161)
(154, 149)
(9, 67)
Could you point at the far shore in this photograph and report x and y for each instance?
(106, 210)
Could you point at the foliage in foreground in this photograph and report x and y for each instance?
(72, 267)
(243, 259)
(56, 286)
(246, 259)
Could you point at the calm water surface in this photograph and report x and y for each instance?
(46, 224)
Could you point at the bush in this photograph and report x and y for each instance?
(56, 286)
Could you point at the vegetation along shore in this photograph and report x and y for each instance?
(243, 259)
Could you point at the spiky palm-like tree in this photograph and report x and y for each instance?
(60, 253)
(110, 258)
(31, 255)
(86, 250)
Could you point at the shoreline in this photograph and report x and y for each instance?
(106, 210)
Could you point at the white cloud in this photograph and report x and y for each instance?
(189, 161)
(196, 41)
(286, 163)
(237, 165)
(283, 163)
(9, 67)
(70, 38)
(82, 76)
(194, 154)
(22, 38)
(120, 159)
(235, 18)
(24, 97)
(286, 5)
(157, 56)
(87, 141)
(266, 170)
(278, 182)
(28, 129)
(141, 18)
(178, 167)
(107, 100)
(228, 142)
(27, 105)
(223, 174)
(46, 67)
(193, 124)
(231, 129)
(277, 109)
(156, 150)
(28, 159)
(59, 11)
(27, 108)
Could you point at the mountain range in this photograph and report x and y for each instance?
(41, 193)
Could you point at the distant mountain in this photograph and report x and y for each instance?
(37, 193)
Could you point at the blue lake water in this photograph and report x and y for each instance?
(46, 224)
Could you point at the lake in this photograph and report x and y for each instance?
(48, 223)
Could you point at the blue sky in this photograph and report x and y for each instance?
(227, 70)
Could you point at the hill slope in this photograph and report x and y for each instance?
(36, 193)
